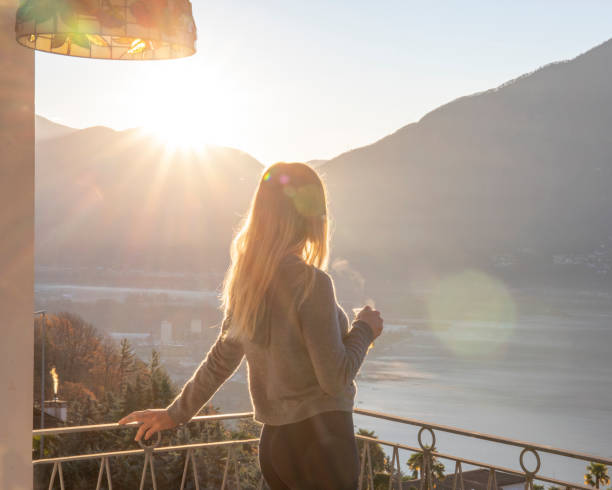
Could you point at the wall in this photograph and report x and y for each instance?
(16, 254)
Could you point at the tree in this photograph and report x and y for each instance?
(415, 463)
(380, 461)
(126, 364)
(105, 369)
(102, 381)
(597, 474)
(161, 392)
(72, 346)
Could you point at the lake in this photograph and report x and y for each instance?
(544, 377)
(548, 381)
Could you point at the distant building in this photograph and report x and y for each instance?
(474, 480)
(196, 326)
(50, 420)
(58, 409)
(166, 332)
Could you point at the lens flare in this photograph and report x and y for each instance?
(308, 200)
(472, 313)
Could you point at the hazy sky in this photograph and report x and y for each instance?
(294, 80)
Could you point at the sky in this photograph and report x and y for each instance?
(295, 81)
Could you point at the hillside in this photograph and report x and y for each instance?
(118, 200)
(46, 129)
(516, 179)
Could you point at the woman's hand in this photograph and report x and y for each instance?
(372, 318)
(153, 420)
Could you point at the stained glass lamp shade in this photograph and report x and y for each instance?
(108, 29)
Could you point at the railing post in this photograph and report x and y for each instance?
(398, 473)
(185, 468)
(492, 482)
(57, 468)
(427, 471)
(104, 468)
(230, 458)
(149, 462)
(236, 472)
(424, 471)
(370, 470)
(189, 457)
(458, 474)
(366, 465)
(362, 466)
(529, 474)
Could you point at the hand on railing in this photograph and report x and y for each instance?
(152, 420)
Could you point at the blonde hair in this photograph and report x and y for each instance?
(288, 215)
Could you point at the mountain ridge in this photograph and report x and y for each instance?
(595, 49)
(523, 166)
(512, 180)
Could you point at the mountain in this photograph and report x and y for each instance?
(117, 199)
(46, 129)
(316, 163)
(516, 180)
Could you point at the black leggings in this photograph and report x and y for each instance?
(319, 452)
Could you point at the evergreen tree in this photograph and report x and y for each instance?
(126, 364)
(102, 382)
(380, 461)
(161, 391)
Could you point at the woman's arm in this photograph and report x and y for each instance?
(221, 361)
(336, 360)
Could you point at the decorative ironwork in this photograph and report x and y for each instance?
(365, 455)
(189, 458)
(104, 468)
(366, 475)
(57, 468)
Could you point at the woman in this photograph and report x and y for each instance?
(281, 313)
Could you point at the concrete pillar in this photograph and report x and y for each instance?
(16, 254)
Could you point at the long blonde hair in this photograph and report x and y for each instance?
(288, 215)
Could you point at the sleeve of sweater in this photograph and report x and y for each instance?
(336, 360)
(221, 361)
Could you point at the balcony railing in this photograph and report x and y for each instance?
(426, 481)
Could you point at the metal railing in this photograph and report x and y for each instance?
(427, 474)
(426, 481)
(149, 452)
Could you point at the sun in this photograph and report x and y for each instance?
(181, 135)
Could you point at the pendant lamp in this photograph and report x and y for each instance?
(108, 29)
